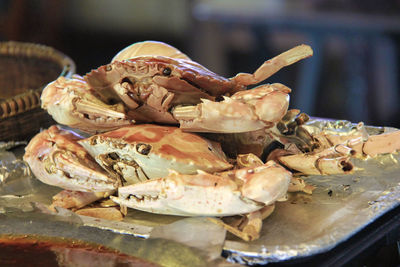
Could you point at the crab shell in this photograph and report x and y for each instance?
(148, 48)
(56, 158)
(203, 194)
(141, 152)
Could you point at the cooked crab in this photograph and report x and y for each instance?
(148, 152)
(149, 48)
(128, 155)
(330, 149)
(141, 152)
(162, 89)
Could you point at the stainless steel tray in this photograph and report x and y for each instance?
(305, 225)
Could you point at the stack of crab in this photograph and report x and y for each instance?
(157, 120)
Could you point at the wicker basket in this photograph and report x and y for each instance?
(25, 69)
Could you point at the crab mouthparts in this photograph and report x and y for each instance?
(140, 198)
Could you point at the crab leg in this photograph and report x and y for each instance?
(68, 199)
(204, 194)
(245, 111)
(336, 160)
(247, 226)
(56, 158)
(377, 144)
(273, 65)
(71, 102)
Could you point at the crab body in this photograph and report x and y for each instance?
(142, 152)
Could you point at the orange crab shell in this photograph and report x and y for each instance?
(154, 150)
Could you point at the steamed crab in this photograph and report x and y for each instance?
(155, 168)
(161, 89)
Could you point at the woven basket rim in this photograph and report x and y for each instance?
(18, 104)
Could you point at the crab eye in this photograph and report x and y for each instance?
(166, 71)
(113, 156)
(143, 149)
(108, 68)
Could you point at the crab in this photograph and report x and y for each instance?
(138, 153)
(338, 158)
(309, 147)
(162, 89)
(126, 155)
(154, 168)
(330, 148)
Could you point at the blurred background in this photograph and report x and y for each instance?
(353, 74)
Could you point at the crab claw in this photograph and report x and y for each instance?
(56, 159)
(71, 102)
(245, 111)
(205, 194)
(333, 160)
(337, 159)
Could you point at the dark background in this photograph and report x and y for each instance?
(353, 74)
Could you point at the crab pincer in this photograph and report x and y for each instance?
(70, 101)
(333, 151)
(245, 111)
(56, 158)
(203, 194)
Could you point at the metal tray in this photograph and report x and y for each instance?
(304, 225)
